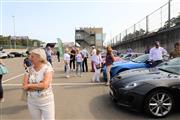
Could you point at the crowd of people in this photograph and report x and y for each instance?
(77, 60)
(39, 72)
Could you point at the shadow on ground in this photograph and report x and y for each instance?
(13, 109)
(102, 107)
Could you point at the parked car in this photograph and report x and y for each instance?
(153, 92)
(130, 56)
(3, 54)
(10, 55)
(24, 54)
(16, 54)
(117, 67)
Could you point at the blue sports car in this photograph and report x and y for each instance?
(117, 67)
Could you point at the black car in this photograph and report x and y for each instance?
(154, 92)
(16, 54)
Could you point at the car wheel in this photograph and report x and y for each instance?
(158, 103)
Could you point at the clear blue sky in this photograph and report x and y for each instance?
(47, 21)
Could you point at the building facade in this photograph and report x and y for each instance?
(87, 37)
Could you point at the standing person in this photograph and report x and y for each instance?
(1, 88)
(66, 62)
(156, 54)
(27, 62)
(85, 57)
(176, 52)
(96, 58)
(79, 60)
(58, 55)
(129, 50)
(109, 62)
(147, 50)
(37, 83)
(93, 52)
(72, 58)
(49, 54)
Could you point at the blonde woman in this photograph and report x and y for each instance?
(109, 61)
(37, 82)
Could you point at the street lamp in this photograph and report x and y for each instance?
(14, 31)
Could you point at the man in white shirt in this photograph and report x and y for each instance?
(156, 54)
(85, 55)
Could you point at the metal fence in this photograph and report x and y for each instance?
(165, 17)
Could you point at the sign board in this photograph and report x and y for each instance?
(60, 47)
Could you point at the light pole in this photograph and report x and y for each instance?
(14, 31)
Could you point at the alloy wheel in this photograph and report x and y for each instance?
(160, 104)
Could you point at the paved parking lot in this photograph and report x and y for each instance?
(75, 97)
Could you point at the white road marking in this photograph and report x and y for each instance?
(12, 78)
(62, 84)
(69, 84)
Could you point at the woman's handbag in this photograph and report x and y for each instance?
(3, 70)
(98, 66)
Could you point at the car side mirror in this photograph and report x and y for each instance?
(165, 63)
(146, 62)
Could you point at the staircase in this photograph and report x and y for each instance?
(85, 39)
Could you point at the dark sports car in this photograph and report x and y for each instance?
(16, 54)
(154, 92)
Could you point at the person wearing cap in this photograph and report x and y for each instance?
(156, 54)
(37, 82)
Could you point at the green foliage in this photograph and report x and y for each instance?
(7, 43)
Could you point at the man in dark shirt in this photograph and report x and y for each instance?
(72, 58)
(58, 55)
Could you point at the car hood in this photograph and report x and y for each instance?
(126, 65)
(144, 75)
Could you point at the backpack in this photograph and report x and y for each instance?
(27, 62)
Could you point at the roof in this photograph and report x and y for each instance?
(51, 45)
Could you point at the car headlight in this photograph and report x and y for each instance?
(132, 85)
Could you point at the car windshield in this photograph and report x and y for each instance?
(175, 61)
(175, 69)
(141, 59)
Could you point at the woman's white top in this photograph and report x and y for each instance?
(79, 58)
(66, 57)
(96, 59)
(37, 77)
